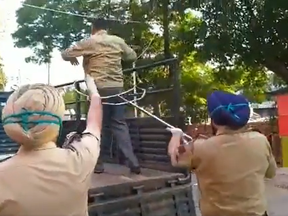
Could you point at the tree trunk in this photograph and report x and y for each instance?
(279, 68)
(166, 34)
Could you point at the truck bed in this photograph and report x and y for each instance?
(117, 192)
(118, 174)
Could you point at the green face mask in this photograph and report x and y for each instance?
(23, 119)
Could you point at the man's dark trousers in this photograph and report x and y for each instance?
(114, 123)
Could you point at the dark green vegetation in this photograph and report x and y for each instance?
(241, 40)
(3, 78)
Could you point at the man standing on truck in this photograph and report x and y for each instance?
(102, 55)
(230, 166)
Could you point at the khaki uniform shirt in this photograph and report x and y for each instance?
(102, 54)
(49, 181)
(230, 169)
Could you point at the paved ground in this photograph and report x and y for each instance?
(277, 194)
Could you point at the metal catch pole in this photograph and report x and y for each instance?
(153, 116)
(135, 90)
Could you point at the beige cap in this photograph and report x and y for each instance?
(33, 115)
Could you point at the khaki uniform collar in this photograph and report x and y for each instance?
(225, 130)
(49, 145)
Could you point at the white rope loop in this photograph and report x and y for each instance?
(143, 94)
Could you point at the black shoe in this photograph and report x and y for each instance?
(99, 168)
(135, 169)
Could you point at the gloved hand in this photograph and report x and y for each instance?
(91, 85)
(175, 131)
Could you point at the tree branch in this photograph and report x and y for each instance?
(279, 68)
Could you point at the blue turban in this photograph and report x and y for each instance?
(228, 109)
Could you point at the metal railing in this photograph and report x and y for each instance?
(174, 68)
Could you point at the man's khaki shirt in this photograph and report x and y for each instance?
(230, 169)
(102, 54)
(49, 181)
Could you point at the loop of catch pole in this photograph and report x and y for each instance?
(124, 103)
(143, 94)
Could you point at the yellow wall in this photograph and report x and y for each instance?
(284, 145)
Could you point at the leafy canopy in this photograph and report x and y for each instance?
(210, 49)
(248, 32)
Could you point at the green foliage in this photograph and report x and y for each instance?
(247, 32)
(70, 99)
(3, 78)
(199, 77)
(217, 51)
(42, 31)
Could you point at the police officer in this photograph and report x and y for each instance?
(230, 166)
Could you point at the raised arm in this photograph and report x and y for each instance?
(128, 53)
(94, 117)
(86, 146)
(81, 48)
